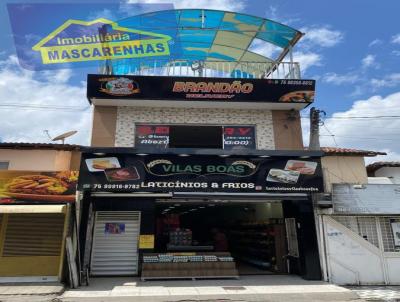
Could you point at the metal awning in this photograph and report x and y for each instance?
(211, 36)
(32, 209)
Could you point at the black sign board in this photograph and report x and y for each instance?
(156, 136)
(239, 137)
(199, 173)
(200, 89)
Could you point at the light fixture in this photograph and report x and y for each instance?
(99, 154)
(141, 154)
(305, 156)
(201, 207)
(264, 156)
(223, 155)
(183, 155)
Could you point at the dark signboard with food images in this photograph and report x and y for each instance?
(27, 186)
(199, 173)
(157, 136)
(200, 89)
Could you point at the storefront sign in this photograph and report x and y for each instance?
(396, 232)
(157, 136)
(146, 241)
(28, 186)
(209, 89)
(239, 137)
(199, 173)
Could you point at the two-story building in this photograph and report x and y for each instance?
(201, 158)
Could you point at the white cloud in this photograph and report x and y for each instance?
(307, 59)
(28, 89)
(375, 42)
(378, 134)
(390, 80)
(264, 48)
(321, 36)
(396, 39)
(369, 61)
(339, 79)
(229, 5)
(396, 52)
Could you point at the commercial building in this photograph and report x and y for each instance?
(37, 191)
(189, 170)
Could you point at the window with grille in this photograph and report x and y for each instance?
(387, 233)
(4, 165)
(365, 227)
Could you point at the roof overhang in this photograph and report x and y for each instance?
(192, 151)
(197, 104)
(31, 209)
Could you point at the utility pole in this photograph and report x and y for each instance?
(314, 129)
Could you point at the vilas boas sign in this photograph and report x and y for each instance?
(199, 173)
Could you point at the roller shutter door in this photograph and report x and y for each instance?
(33, 235)
(115, 243)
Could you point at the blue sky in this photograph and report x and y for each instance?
(352, 49)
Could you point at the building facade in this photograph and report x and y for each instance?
(37, 192)
(358, 222)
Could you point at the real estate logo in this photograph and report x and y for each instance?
(100, 39)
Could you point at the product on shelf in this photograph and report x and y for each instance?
(196, 258)
(225, 259)
(150, 259)
(210, 258)
(180, 237)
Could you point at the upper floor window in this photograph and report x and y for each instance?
(195, 136)
(4, 165)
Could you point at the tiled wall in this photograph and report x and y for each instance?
(128, 116)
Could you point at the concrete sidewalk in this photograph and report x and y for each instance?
(32, 292)
(248, 288)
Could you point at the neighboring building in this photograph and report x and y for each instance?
(358, 221)
(39, 157)
(37, 191)
(389, 169)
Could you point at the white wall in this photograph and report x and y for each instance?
(128, 116)
(392, 172)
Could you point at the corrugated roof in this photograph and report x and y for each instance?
(45, 146)
(380, 164)
(350, 152)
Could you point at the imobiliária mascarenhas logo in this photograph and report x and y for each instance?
(100, 39)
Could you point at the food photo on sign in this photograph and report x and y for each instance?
(37, 186)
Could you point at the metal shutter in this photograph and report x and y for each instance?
(115, 254)
(33, 235)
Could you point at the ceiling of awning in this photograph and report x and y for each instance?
(211, 35)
